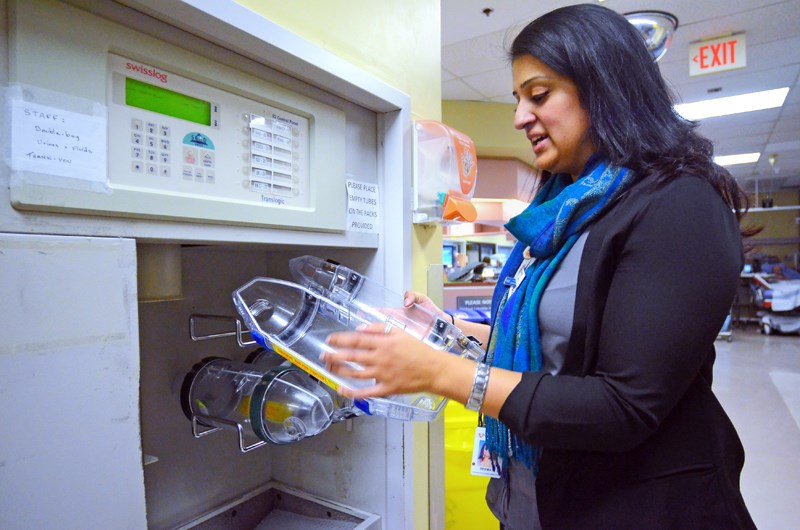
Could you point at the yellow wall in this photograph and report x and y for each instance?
(777, 224)
(398, 42)
(491, 127)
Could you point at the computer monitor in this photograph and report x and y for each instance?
(448, 256)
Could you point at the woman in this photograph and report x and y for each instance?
(596, 387)
(485, 458)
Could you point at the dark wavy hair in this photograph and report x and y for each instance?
(630, 107)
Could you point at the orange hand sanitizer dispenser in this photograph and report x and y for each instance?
(445, 174)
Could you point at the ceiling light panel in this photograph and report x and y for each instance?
(710, 108)
(733, 160)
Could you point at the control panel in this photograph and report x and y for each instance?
(189, 137)
(186, 138)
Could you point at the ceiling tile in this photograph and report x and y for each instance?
(459, 90)
(496, 83)
(474, 56)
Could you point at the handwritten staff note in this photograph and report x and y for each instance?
(53, 141)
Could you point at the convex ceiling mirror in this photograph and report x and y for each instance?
(657, 28)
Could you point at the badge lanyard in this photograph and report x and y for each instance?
(482, 465)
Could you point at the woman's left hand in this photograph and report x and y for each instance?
(399, 363)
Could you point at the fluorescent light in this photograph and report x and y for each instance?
(710, 108)
(732, 160)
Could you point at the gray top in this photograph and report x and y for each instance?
(514, 504)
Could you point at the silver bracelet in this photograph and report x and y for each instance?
(479, 384)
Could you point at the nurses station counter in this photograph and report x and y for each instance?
(159, 154)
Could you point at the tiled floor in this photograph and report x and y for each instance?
(757, 379)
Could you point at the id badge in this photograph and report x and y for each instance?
(482, 464)
(513, 283)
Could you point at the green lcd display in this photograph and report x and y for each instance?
(157, 99)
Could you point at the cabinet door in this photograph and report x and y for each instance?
(70, 452)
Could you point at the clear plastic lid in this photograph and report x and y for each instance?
(295, 320)
(267, 359)
(373, 302)
(279, 405)
(288, 406)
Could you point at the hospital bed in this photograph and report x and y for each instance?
(779, 300)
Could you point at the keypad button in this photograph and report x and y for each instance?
(151, 128)
(151, 155)
(164, 131)
(258, 147)
(137, 138)
(164, 171)
(137, 167)
(281, 127)
(136, 153)
(151, 169)
(190, 155)
(136, 124)
(261, 173)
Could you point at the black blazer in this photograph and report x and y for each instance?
(631, 434)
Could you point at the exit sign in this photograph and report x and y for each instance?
(717, 55)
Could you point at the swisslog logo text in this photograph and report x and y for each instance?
(147, 71)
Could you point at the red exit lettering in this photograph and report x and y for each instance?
(718, 54)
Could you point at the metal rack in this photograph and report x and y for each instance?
(239, 332)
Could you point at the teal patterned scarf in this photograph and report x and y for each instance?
(548, 227)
